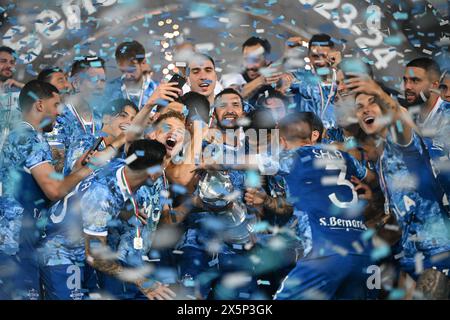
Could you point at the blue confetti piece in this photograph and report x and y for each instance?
(397, 294)
(56, 176)
(252, 179)
(393, 40)
(177, 188)
(380, 252)
(45, 122)
(261, 226)
(33, 95)
(162, 102)
(140, 153)
(154, 170)
(278, 20)
(323, 71)
(367, 234)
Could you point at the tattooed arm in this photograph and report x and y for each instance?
(98, 256)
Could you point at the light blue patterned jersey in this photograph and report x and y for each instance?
(116, 89)
(68, 128)
(24, 150)
(10, 113)
(94, 207)
(415, 197)
(311, 94)
(78, 147)
(438, 124)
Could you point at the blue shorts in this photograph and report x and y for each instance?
(63, 282)
(20, 278)
(325, 278)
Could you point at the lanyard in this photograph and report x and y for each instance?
(330, 96)
(145, 82)
(133, 201)
(81, 121)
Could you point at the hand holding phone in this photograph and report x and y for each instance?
(178, 79)
(92, 150)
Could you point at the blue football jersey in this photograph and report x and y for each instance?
(94, 207)
(325, 202)
(69, 127)
(415, 197)
(311, 94)
(24, 150)
(116, 89)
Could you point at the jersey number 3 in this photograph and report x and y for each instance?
(341, 181)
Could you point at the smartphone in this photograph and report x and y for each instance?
(92, 149)
(179, 79)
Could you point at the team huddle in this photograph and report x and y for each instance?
(313, 183)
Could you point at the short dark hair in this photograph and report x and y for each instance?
(129, 51)
(322, 40)
(429, 65)
(169, 114)
(289, 126)
(149, 153)
(84, 63)
(202, 55)
(316, 122)
(271, 93)
(45, 75)
(261, 118)
(253, 41)
(33, 91)
(9, 50)
(118, 105)
(229, 91)
(197, 105)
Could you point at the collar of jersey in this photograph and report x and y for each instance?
(123, 189)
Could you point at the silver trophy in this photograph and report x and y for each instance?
(216, 191)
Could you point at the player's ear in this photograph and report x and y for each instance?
(315, 136)
(39, 105)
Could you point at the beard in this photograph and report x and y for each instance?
(48, 128)
(3, 78)
(419, 99)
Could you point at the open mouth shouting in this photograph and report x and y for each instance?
(170, 143)
(369, 120)
(205, 85)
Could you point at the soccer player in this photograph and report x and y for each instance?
(9, 92)
(58, 78)
(116, 120)
(421, 83)
(135, 84)
(319, 187)
(444, 86)
(82, 111)
(91, 226)
(202, 77)
(31, 182)
(410, 187)
(317, 88)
